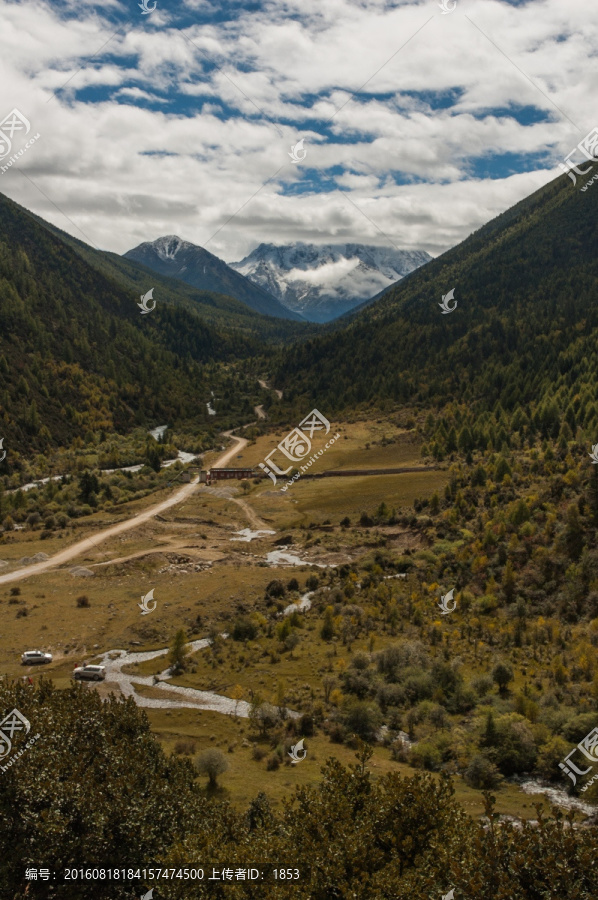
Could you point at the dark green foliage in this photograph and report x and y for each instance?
(94, 787)
(243, 630)
(97, 789)
(523, 282)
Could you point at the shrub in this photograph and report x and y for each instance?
(22, 612)
(178, 653)
(273, 763)
(482, 774)
(577, 728)
(275, 589)
(258, 753)
(306, 725)
(82, 601)
(337, 733)
(15, 592)
(482, 685)
(362, 718)
(185, 747)
(549, 757)
(244, 630)
(426, 755)
(502, 675)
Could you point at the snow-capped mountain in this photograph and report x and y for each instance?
(180, 259)
(323, 282)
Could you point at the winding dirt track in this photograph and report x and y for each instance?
(86, 544)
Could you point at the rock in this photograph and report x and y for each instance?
(81, 572)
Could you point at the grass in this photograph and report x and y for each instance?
(201, 528)
(247, 776)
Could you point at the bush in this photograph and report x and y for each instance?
(185, 747)
(21, 613)
(258, 753)
(306, 725)
(482, 685)
(426, 755)
(15, 592)
(502, 675)
(577, 728)
(33, 519)
(82, 601)
(482, 774)
(337, 733)
(362, 718)
(273, 763)
(275, 589)
(211, 763)
(514, 748)
(244, 630)
(549, 757)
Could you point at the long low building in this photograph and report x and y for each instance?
(223, 474)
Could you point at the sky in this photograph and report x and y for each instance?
(418, 125)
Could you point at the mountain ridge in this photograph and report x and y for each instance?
(325, 281)
(177, 258)
(525, 284)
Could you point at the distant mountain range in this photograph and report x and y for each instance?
(172, 256)
(321, 282)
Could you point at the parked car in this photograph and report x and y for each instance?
(89, 673)
(35, 657)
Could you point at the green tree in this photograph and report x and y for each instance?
(327, 630)
(211, 762)
(502, 675)
(178, 652)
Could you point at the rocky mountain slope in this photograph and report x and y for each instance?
(323, 282)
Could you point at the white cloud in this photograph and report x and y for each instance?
(125, 173)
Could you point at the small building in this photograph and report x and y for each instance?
(224, 474)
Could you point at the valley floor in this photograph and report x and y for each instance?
(210, 554)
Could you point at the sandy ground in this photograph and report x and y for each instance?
(86, 544)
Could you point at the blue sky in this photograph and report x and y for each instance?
(418, 126)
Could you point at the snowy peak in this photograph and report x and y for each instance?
(322, 282)
(167, 247)
(171, 255)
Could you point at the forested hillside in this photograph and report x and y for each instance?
(518, 352)
(77, 356)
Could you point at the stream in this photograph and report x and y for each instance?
(176, 697)
(555, 795)
(156, 433)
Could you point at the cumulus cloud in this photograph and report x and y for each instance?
(181, 121)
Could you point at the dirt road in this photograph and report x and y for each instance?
(87, 544)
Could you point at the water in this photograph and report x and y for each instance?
(556, 796)
(175, 697)
(156, 433)
(303, 605)
(284, 558)
(248, 535)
